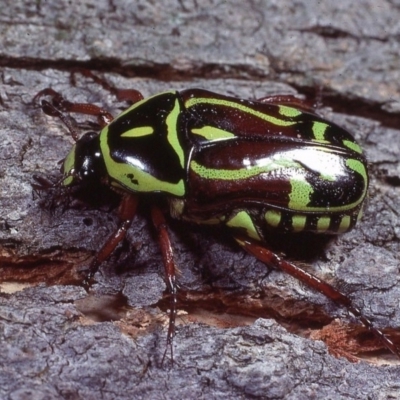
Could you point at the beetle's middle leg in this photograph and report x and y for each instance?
(270, 258)
(126, 212)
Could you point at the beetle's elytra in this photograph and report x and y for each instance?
(254, 166)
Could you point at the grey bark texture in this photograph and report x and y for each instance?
(243, 331)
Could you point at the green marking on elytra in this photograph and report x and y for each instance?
(243, 173)
(319, 130)
(172, 135)
(138, 132)
(132, 176)
(300, 194)
(358, 167)
(68, 167)
(237, 106)
(273, 217)
(323, 224)
(213, 134)
(298, 222)
(344, 224)
(289, 111)
(243, 220)
(353, 146)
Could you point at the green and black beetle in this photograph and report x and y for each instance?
(257, 167)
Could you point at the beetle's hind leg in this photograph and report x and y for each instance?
(270, 258)
(170, 273)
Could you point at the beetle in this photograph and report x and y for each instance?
(255, 167)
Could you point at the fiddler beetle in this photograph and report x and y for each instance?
(255, 167)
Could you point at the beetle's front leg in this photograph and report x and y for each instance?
(270, 258)
(126, 212)
(58, 105)
(170, 269)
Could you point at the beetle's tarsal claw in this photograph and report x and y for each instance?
(87, 278)
(88, 282)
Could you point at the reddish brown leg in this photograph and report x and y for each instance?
(273, 260)
(131, 95)
(168, 258)
(58, 105)
(289, 100)
(126, 212)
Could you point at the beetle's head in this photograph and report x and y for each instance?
(84, 163)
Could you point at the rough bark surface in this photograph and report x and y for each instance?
(57, 341)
